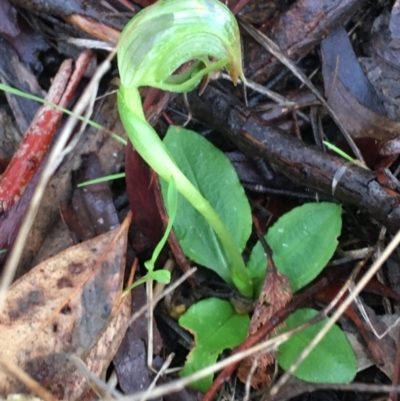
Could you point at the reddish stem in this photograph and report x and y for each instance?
(40, 133)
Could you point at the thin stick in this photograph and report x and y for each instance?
(276, 97)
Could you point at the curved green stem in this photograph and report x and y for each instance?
(152, 47)
(152, 150)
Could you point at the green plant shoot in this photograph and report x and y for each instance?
(162, 276)
(340, 152)
(154, 44)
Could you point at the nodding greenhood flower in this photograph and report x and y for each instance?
(162, 37)
(154, 44)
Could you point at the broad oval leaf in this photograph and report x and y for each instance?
(216, 327)
(212, 173)
(303, 241)
(331, 361)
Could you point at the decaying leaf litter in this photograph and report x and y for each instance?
(352, 47)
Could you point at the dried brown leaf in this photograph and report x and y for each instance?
(275, 294)
(130, 362)
(64, 306)
(350, 94)
(384, 42)
(77, 386)
(91, 211)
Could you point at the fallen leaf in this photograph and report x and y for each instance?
(21, 35)
(275, 294)
(8, 19)
(381, 65)
(130, 361)
(64, 306)
(139, 187)
(383, 47)
(91, 211)
(350, 94)
(77, 386)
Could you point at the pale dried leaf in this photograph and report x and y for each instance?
(64, 306)
(101, 355)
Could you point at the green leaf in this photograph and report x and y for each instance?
(303, 241)
(211, 172)
(161, 276)
(216, 327)
(331, 361)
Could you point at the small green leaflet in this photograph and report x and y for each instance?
(216, 327)
(303, 241)
(106, 178)
(332, 360)
(161, 276)
(213, 174)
